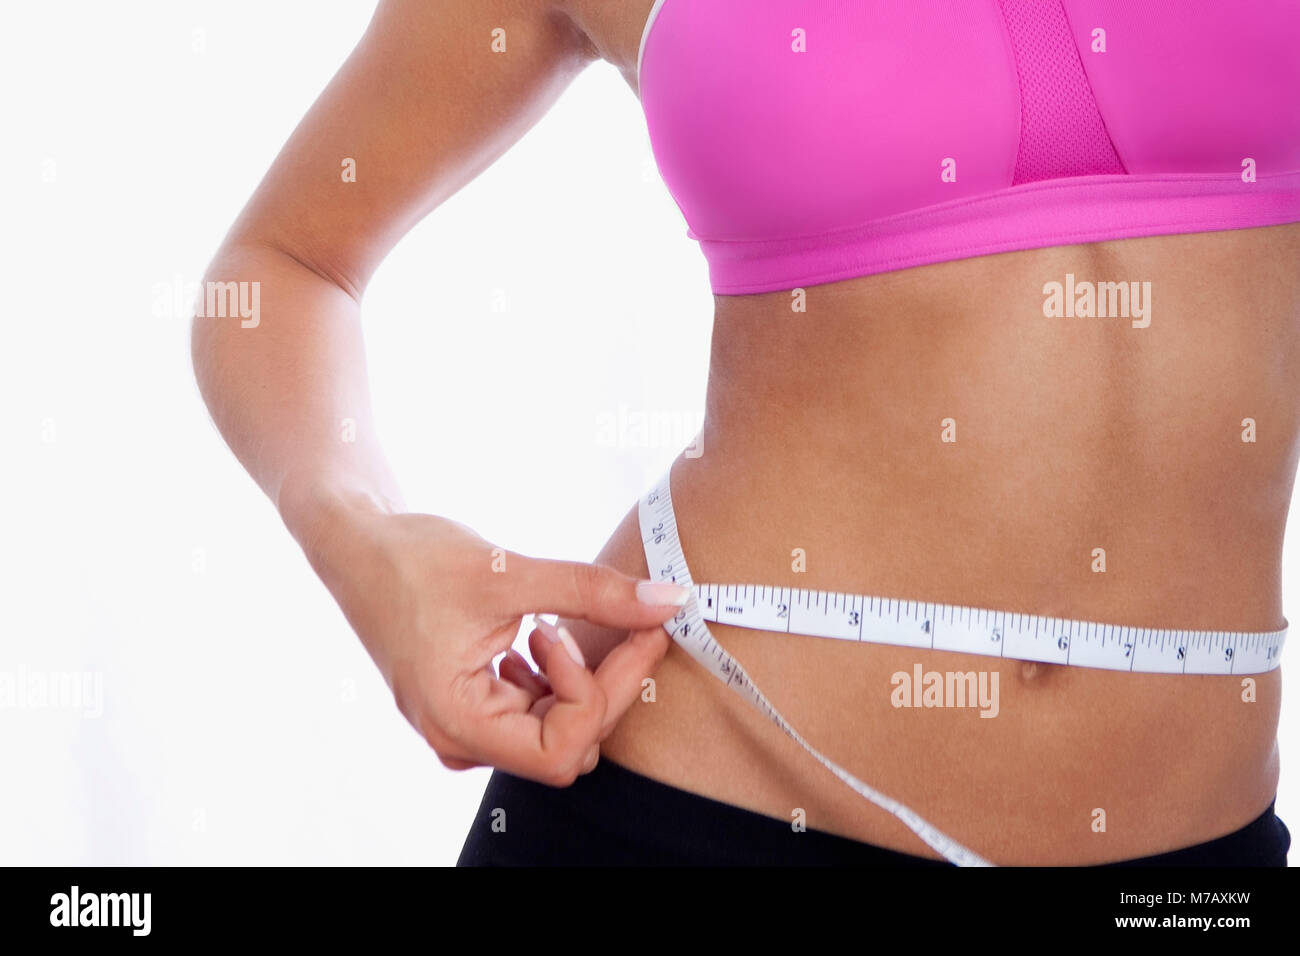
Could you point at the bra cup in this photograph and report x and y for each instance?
(809, 141)
(758, 137)
(1197, 92)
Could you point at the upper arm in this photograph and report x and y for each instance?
(426, 101)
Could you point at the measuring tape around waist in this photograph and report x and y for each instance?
(921, 625)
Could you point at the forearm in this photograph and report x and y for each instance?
(288, 390)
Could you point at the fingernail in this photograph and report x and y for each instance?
(662, 592)
(546, 627)
(571, 646)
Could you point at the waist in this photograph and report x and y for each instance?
(1065, 737)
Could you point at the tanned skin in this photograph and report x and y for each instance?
(1072, 435)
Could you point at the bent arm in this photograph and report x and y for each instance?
(426, 101)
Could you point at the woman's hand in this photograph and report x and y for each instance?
(423, 104)
(434, 604)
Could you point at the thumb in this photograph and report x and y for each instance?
(591, 592)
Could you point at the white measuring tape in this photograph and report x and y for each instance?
(855, 617)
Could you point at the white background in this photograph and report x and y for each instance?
(242, 721)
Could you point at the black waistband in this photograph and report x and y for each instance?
(615, 816)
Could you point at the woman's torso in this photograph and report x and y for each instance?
(830, 430)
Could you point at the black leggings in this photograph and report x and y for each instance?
(614, 816)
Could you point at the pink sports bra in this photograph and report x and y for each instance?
(808, 141)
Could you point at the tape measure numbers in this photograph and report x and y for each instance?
(1023, 637)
